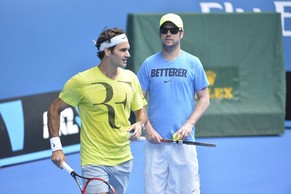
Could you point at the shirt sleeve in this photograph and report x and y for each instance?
(72, 92)
(200, 79)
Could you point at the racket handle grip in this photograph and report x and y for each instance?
(67, 168)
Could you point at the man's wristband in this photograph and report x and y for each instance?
(56, 144)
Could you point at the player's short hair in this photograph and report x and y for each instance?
(105, 36)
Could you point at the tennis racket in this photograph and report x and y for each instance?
(92, 185)
(183, 142)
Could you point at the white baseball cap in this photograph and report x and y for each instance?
(174, 18)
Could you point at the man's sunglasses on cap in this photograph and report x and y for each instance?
(174, 30)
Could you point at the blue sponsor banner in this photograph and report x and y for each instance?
(24, 132)
(12, 118)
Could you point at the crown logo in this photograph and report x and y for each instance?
(211, 75)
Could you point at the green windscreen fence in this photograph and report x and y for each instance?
(242, 54)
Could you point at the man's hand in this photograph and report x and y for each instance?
(58, 157)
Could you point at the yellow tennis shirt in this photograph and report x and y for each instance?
(104, 106)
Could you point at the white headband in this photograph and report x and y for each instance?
(113, 41)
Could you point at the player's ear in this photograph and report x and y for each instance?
(181, 34)
(107, 51)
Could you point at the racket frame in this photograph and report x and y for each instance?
(83, 190)
(183, 142)
(189, 142)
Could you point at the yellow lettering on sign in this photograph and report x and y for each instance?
(220, 93)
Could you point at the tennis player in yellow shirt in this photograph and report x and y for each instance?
(105, 96)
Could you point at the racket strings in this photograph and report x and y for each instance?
(95, 186)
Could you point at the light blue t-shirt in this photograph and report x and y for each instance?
(171, 88)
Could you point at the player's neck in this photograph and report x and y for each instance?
(109, 71)
(170, 55)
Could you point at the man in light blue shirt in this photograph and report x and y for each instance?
(172, 78)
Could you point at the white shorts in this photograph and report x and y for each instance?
(171, 169)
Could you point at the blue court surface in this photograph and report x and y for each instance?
(238, 165)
